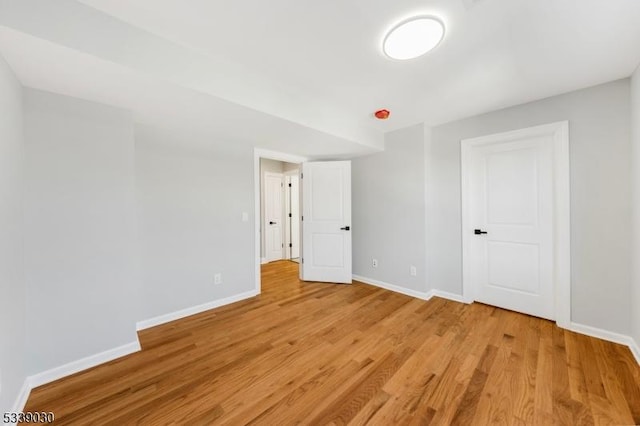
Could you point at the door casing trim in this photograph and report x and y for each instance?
(259, 153)
(561, 210)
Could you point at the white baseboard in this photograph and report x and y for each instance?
(22, 398)
(413, 293)
(609, 336)
(635, 350)
(450, 296)
(600, 333)
(82, 364)
(406, 291)
(152, 322)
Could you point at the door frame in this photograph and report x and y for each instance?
(259, 153)
(561, 210)
(288, 220)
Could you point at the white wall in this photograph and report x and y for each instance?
(600, 197)
(635, 161)
(80, 229)
(388, 211)
(12, 285)
(190, 205)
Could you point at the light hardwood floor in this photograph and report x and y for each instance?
(335, 354)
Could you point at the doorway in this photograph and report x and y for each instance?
(326, 208)
(515, 225)
(279, 210)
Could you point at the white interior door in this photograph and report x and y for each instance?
(326, 222)
(509, 231)
(273, 224)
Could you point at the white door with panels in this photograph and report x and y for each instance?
(273, 223)
(326, 222)
(508, 225)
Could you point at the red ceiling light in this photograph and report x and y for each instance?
(382, 114)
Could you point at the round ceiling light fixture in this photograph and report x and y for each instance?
(413, 37)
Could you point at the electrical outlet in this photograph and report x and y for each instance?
(413, 271)
(217, 279)
(374, 263)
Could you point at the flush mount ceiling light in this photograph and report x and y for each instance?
(413, 37)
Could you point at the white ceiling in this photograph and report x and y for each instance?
(179, 110)
(319, 64)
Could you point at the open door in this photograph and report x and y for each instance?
(326, 222)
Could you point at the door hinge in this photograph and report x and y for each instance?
(282, 245)
(290, 245)
(302, 260)
(301, 175)
(289, 185)
(290, 215)
(301, 218)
